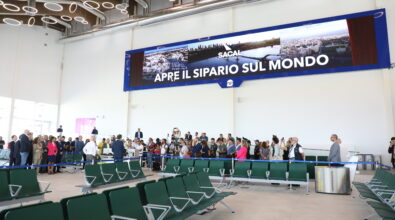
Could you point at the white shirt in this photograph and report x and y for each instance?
(184, 150)
(292, 151)
(90, 148)
(139, 147)
(163, 149)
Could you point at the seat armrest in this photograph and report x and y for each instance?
(137, 172)
(149, 207)
(107, 174)
(176, 169)
(116, 217)
(222, 172)
(206, 169)
(47, 185)
(122, 175)
(231, 172)
(191, 169)
(188, 200)
(194, 192)
(91, 182)
(14, 194)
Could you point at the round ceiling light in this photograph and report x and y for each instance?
(124, 11)
(49, 20)
(79, 19)
(91, 4)
(11, 7)
(31, 21)
(12, 21)
(1, 2)
(29, 9)
(121, 6)
(108, 5)
(84, 22)
(73, 7)
(66, 18)
(52, 6)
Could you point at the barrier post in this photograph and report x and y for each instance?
(233, 163)
(163, 161)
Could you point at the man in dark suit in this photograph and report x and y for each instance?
(138, 134)
(11, 145)
(188, 136)
(118, 149)
(25, 147)
(95, 132)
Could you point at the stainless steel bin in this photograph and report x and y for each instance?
(334, 180)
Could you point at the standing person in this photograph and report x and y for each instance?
(231, 149)
(221, 137)
(184, 149)
(52, 151)
(101, 146)
(334, 153)
(44, 156)
(25, 147)
(164, 148)
(238, 144)
(138, 134)
(37, 152)
(257, 150)
(204, 137)
(265, 151)
(150, 151)
(222, 150)
(285, 147)
(213, 147)
(231, 138)
(11, 146)
(118, 149)
(2, 143)
(60, 144)
(95, 132)
(188, 136)
(391, 150)
(296, 150)
(276, 149)
(90, 149)
(79, 146)
(197, 148)
(205, 149)
(242, 152)
(60, 130)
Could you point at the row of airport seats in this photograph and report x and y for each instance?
(20, 185)
(255, 171)
(72, 158)
(168, 198)
(380, 191)
(98, 175)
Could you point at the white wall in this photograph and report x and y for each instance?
(30, 64)
(356, 105)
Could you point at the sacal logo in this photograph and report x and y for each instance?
(229, 52)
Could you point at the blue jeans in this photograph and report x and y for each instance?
(24, 156)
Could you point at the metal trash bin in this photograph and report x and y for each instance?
(333, 180)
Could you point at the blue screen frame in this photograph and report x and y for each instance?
(381, 44)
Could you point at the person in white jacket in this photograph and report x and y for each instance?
(90, 149)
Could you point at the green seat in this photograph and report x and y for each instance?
(77, 157)
(64, 201)
(126, 202)
(200, 165)
(68, 158)
(4, 211)
(123, 171)
(186, 166)
(172, 166)
(156, 194)
(311, 166)
(297, 172)
(4, 190)
(278, 171)
(93, 175)
(259, 169)
(217, 168)
(42, 211)
(204, 181)
(88, 207)
(242, 169)
(27, 181)
(227, 166)
(109, 173)
(140, 188)
(191, 183)
(179, 196)
(384, 211)
(322, 158)
(135, 170)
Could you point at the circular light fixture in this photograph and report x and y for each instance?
(12, 21)
(73, 7)
(52, 6)
(29, 9)
(49, 20)
(11, 7)
(91, 4)
(124, 11)
(1, 2)
(66, 18)
(31, 21)
(108, 5)
(79, 19)
(84, 22)
(121, 6)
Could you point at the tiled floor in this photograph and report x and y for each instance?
(262, 201)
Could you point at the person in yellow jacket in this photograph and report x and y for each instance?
(101, 145)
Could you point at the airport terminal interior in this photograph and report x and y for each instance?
(197, 109)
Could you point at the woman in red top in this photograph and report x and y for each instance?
(242, 153)
(52, 151)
